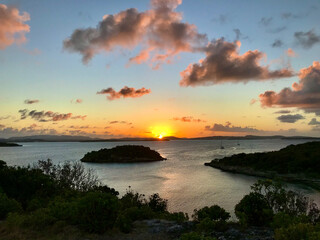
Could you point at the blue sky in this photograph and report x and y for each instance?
(40, 68)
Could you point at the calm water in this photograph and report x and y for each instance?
(182, 179)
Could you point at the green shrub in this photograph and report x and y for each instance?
(8, 205)
(97, 211)
(254, 210)
(132, 199)
(157, 204)
(176, 216)
(284, 220)
(214, 212)
(296, 232)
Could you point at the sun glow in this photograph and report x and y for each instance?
(160, 131)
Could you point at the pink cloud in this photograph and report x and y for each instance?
(304, 95)
(12, 27)
(159, 30)
(224, 64)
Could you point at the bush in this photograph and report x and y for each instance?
(157, 204)
(8, 205)
(69, 175)
(284, 220)
(176, 216)
(254, 210)
(97, 211)
(298, 232)
(132, 199)
(214, 212)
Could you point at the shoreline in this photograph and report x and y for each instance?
(292, 178)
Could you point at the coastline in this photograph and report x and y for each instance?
(292, 178)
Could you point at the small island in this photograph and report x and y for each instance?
(123, 154)
(6, 144)
(297, 163)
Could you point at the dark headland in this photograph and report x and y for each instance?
(297, 163)
(123, 154)
(6, 144)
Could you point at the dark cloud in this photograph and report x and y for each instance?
(314, 122)
(265, 21)
(307, 39)
(46, 116)
(222, 19)
(12, 27)
(290, 118)
(277, 43)
(224, 64)
(282, 112)
(28, 101)
(125, 92)
(188, 119)
(229, 128)
(31, 130)
(277, 29)
(304, 95)
(120, 122)
(159, 30)
(239, 34)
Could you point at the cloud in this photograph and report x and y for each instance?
(26, 131)
(79, 100)
(120, 122)
(239, 34)
(46, 116)
(290, 118)
(5, 117)
(304, 95)
(277, 43)
(277, 29)
(2, 126)
(224, 64)
(265, 21)
(314, 122)
(12, 27)
(307, 39)
(159, 31)
(282, 112)
(28, 101)
(229, 128)
(222, 19)
(291, 53)
(188, 119)
(125, 92)
(253, 101)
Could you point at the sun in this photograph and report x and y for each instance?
(160, 131)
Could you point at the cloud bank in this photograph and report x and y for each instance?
(224, 64)
(290, 118)
(125, 92)
(229, 128)
(188, 119)
(12, 27)
(304, 95)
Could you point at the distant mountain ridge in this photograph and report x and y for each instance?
(68, 138)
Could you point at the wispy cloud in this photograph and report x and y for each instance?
(45, 116)
(28, 101)
(188, 119)
(125, 92)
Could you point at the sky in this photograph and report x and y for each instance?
(113, 69)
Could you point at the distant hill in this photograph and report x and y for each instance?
(68, 138)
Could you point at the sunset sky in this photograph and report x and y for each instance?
(129, 68)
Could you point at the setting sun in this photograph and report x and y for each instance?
(160, 131)
(160, 136)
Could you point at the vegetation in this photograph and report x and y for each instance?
(123, 154)
(65, 199)
(295, 162)
(6, 144)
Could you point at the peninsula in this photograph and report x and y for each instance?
(299, 163)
